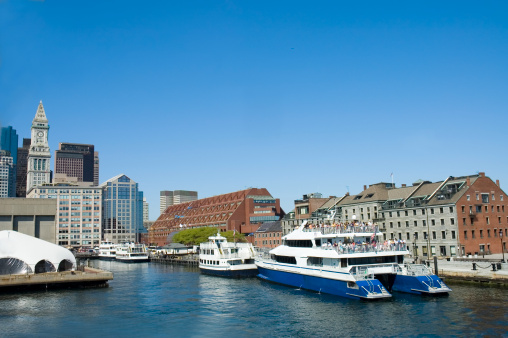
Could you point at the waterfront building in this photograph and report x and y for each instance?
(79, 212)
(7, 175)
(168, 198)
(30, 216)
(243, 211)
(76, 160)
(454, 217)
(308, 204)
(22, 168)
(38, 172)
(268, 235)
(122, 218)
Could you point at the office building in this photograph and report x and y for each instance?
(77, 160)
(145, 210)
(9, 143)
(168, 198)
(243, 211)
(79, 212)
(22, 168)
(7, 175)
(122, 218)
(96, 168)
(38, 172)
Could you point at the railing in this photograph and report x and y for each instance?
(364, 248)
(342, 229)
(361, 272)
(417, 270)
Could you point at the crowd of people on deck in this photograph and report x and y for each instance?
(352, 246)
(340, 228)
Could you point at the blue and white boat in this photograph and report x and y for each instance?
(344, 261)
(107, 250)
(222, 258)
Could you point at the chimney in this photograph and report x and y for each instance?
(364, 187)
(482, 174)
(497, 183)
(468, 182)
(403, 185)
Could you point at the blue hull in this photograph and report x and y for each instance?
(421, 285)
(102, 258)
(230, 273)
(371, 289)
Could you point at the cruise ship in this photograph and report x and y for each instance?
(222, 258)
(348, 261)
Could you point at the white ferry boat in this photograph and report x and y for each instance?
(345, 261)
(107, 250)
(222, 258)
(131, 253)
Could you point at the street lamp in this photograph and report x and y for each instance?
(501, 238)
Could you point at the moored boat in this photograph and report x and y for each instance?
(107, 250)
(132, 253)
(222, 258)
(346, 261)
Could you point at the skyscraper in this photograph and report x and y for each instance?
(145, 210)
(168, 198)
(7, 175)
(96, 168)
(122, 218)
(22, 167)
(76, 160)
(38, 155)
(9, 143)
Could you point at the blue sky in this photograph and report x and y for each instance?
(293, 96)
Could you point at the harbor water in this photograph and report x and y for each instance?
(148, 299)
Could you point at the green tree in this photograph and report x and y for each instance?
(195, 236)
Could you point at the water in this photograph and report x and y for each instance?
(149, 299)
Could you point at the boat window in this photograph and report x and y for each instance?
(352, 285)
(299, 243)
(343, 262)
(284, 259)
(372, 260)
(318, 242)
(315, 261)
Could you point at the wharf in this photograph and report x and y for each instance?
(88, 278)
(462, 270)
(189, 261)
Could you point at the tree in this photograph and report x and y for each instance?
(195, 236)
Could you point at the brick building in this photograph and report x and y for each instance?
(268, 235)
(243, 211)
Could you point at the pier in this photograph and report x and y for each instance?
(484, 271)
(88, 278)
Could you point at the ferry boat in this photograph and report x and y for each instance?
(222, 258)
(107, 250)
(346, 261)
(131, 253)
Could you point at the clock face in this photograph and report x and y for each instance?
(40, 134)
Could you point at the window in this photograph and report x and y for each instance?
(398, 224)
(406, 213)
(463, 209)
(472, 234)
(432, 211)
(453, 234)
(463, 221)
(442, 221)
(425, 235)
(414, 212)
(407, 224)
(443, 234)
(424, 223)
(468, 197)
(433, 222)
(452, 221)
(451, 209)
(481, 233)
(434, 235)
(465, 234)
(487, 219)
(398, 213)
(488, 233)
(415, 223)
(485, 198)
(423, 211)
(493, 198)
(501, 197)
(440, 210)
(477, 197)
(499, 220)
(391, 224)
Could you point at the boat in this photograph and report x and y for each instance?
(107, 250)
(419, 279)
(346, 261)
(131, 253)
(219, 257)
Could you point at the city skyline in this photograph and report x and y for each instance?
(296, 98)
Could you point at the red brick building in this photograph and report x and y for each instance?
(243, 211)
(482, 212)
(268, 235)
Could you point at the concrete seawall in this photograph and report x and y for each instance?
(90, 277)
(463, 271)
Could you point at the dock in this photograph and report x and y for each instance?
(88, 278)
(471, 271)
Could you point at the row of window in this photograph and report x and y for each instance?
(424, 223)
(416, 235)
(487, 220)
(481, 233)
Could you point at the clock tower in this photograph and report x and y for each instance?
(39, 156)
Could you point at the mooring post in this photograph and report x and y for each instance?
(435, 266)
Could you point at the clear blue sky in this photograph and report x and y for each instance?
(293, 96)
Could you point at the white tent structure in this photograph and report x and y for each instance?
(22, 254)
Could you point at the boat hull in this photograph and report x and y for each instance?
(107, 258)
(133, 260)
(421, 285)
(371, 289)
(230, 273)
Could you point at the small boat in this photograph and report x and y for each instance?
(346, 261)
(132, 253)
(107, 250)
(222, 258)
